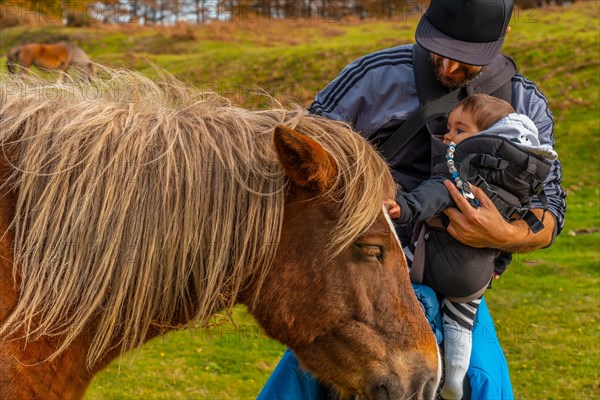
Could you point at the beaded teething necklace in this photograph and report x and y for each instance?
(463, 187)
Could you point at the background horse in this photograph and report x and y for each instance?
(124, 218)
(59, 56)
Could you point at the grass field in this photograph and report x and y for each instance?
(546, 307)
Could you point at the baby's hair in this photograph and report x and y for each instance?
(485, 110)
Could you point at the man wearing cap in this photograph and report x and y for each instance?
(457, 54)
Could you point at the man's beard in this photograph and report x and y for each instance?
(454, 83)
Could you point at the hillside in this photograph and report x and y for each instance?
(546, 307)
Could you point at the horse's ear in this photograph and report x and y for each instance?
(304, 160)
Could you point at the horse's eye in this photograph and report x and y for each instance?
(371, 251)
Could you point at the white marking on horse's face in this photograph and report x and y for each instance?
(439, 372)
(391, 224)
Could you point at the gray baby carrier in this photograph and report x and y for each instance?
(511, 177)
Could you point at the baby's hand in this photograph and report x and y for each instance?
(393, 208)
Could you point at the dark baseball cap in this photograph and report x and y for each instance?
(468, 31)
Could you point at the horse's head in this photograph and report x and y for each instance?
(350, 313)
(198, 207)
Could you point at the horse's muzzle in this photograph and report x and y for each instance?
(423, 388)
(379, 392)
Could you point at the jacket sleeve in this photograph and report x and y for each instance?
(371, 91)
(528, 100)
(426, 200)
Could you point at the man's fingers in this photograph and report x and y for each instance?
(462, 203)
(451, 228)
(481, 196)
(451, 212)
(458, 198)
(455, 217)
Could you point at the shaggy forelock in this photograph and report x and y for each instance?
(144, 203)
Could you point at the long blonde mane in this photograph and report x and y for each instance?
(143, 203)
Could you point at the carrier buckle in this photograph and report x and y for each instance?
(487, 161)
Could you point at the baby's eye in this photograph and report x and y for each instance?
(458, 130)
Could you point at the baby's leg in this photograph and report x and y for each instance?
(457, 321)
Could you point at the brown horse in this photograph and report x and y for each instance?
(124, 218)
(59, 56)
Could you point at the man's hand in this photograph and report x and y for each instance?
(485, 227)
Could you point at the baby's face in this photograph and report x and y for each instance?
(460, 127)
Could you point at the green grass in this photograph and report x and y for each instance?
(231, 361)
(547, 305)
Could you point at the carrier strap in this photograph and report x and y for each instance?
(494, 79)
(507, 210)
(534, 223)
(440, 107)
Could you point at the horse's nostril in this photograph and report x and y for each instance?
(430, 389)
(380, 392)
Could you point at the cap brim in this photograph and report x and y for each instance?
(431, 39)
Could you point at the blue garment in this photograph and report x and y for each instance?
(290, 382)
(431, 308)
(488, 371)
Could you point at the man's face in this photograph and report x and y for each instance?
(453, 74)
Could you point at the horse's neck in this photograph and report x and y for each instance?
(8, 291)
(32, 377)
(24, 371)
